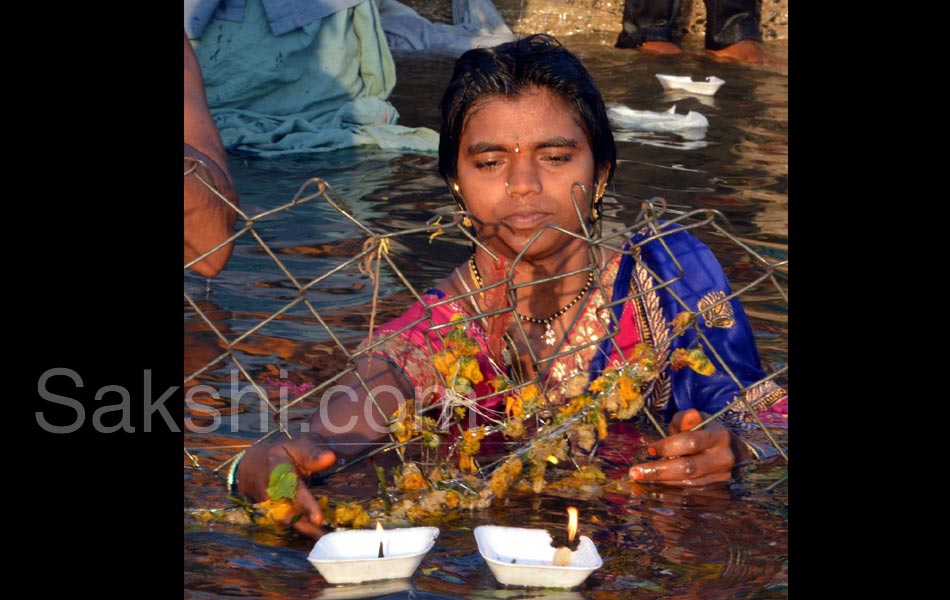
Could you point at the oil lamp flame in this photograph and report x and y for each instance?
(571, 523)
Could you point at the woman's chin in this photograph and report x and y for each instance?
(548, 243)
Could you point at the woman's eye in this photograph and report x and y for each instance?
(558, 158)
(487, 164)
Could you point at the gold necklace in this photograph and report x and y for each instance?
(548, 337)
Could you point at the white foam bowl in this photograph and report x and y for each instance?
(352, 555)
(524, 557)
(686, 83)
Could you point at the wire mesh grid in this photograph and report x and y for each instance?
(376, 260)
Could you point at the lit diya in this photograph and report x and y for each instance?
(360, 555)
(528, 557)
(564, 554)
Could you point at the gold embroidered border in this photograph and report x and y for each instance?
(653, 325)
(716, 311)
(759, 397)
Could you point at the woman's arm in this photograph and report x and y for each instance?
(347, 424)
(208, 219)
(708, 454)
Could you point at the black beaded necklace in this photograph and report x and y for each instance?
(549, 337)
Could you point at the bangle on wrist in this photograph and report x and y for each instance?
(232, 473)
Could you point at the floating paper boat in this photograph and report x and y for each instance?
(524, 557)
(686, 83)
(352, 555)
(624, 117)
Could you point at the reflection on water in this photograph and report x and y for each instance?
(656, 542)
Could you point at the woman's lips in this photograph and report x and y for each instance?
(526, 220)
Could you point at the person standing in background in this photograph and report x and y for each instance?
(732, 28)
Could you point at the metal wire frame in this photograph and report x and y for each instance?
(377, 247)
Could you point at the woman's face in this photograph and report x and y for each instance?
(533, 143)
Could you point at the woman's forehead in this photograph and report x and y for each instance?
(537, 107)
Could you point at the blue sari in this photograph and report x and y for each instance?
(675, 273)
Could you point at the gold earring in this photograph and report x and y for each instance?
(598, 197)
(596, 204)
(465, 220)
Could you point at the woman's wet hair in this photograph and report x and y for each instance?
(510, 69)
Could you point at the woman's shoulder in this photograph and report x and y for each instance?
(671, 241)
(672, 232)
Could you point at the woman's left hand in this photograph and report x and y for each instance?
(689, 458)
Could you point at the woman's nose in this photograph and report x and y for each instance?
(523, 177)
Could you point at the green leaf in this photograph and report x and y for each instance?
(282, 483)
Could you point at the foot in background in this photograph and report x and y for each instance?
(660, 47)
(747, 51)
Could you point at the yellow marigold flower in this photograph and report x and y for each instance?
(631, 406)
(529, 393)
(469, 445)
(590, 473)
(452, 499)
(500, 382)
(514, 407)
(678, 359)
(468, 368)
(274, 513)
(575, 405)
(465, 346)
(681, 321)
(504, 476)
(643, 353)
(445, 362)
(466, 463)
(457, 334)
(471, 440)
(402, 424)
(399, 430)
(350, 514)
(600, 422)
(431, 439)
(629, 390)
(409, 478)
(695, 359)
(600, 384)
(514, 428)
(699, 362)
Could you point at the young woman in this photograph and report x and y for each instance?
(527, 152)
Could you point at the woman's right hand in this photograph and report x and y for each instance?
(306, 456)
